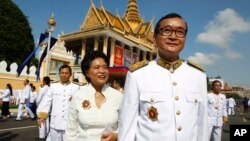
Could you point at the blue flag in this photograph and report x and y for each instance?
(52, 42)
(20, 68)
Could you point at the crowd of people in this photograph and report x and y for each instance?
(165, 99)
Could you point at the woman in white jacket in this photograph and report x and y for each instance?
(6, 101)
(94, 109)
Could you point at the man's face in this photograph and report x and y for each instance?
(64, 75)
(25, 82)
(217, 87)
(170, 40)
(114, 84)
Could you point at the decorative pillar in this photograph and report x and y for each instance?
(151, 56)
(105, 45)
(138, 54)
(96, 43)
(144, 55)
(83, 48)
(112, 52)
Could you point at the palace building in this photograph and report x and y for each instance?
(125, 40)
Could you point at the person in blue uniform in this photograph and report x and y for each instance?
(165, 99)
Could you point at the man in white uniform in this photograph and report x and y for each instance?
(44, 128)
(58, 98)
(166, 99)
(217, 111)
(231, 105)
(24, 101)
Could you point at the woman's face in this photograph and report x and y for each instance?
(98, 72)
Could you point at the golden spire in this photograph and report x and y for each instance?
(132, 13)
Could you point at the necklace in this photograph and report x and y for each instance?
(217, 101)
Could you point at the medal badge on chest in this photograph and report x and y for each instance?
(86, 104)
(152, 113)
(216, 107)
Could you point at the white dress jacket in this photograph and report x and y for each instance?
(57, 101)
(89, 122)
(178, 99)
(217, 108)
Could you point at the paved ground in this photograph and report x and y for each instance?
(27, 130)
(239, 119)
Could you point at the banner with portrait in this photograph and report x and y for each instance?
(118, 57)
(127, 58)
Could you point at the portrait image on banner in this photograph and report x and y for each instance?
(127, 58)
(118, 58)
(134, 58)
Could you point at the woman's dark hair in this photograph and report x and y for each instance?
(10, 88)
(87, 60)
(169, 16)
(46, 79)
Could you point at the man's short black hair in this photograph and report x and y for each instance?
(169, 16)
(65, 66)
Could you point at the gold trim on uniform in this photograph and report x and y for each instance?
(42, 115)
(86, 104)
(171, 66)
(138, 65)
(225, 118)
(152, 113)
(67, 83)
(199, 67)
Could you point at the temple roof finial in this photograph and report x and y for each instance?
(132, 13)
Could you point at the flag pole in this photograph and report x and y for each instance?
(52, 25)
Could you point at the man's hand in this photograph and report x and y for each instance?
(40, 121)
(109, 136)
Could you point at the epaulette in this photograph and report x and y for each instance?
(138, 65)
(77, 83)
(197, 66)
(80, 84)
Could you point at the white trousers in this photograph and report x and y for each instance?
(21, 106)
(231, 111)
(44, 129)
(214, 133)
(56, 135)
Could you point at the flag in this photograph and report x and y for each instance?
(20, 68)
(52, 42)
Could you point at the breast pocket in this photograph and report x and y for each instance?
(193, 98)
(155, 99)
(56, 93)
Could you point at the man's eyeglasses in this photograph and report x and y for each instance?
(167, 31)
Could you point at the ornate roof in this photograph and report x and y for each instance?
(131, 25)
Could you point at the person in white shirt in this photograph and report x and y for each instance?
(6, 101)
(231, 105)
(94, 109)
(118, 84)
(56, 104)
(44, 128)
(33, 96)
(24, 101)
(217, 112)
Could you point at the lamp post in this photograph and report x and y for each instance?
(52, 25)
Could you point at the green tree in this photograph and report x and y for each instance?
(16, 40)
